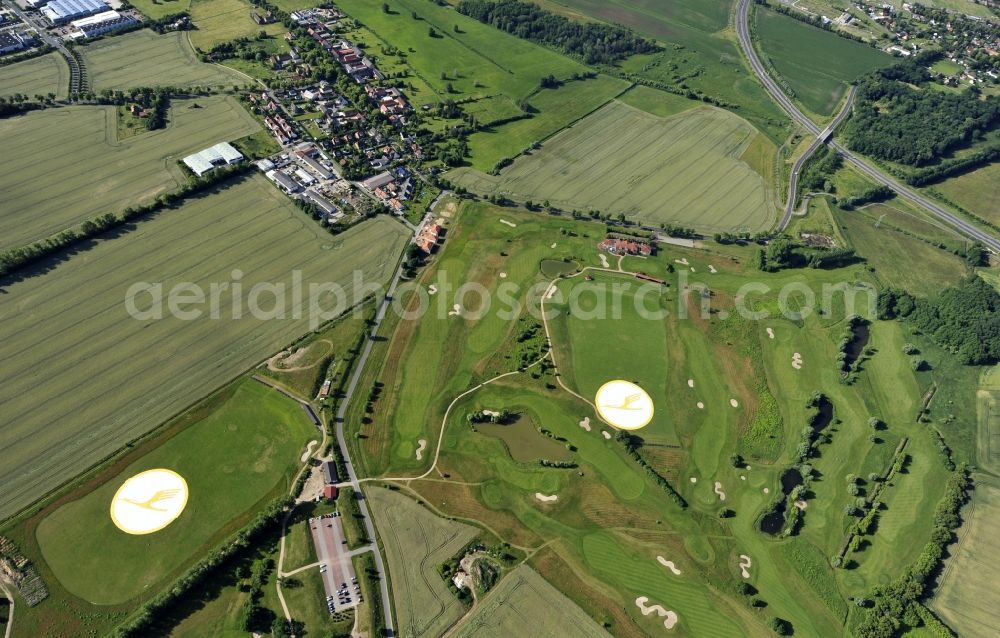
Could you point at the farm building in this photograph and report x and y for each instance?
(330, 476)
(63, 11)
(330, 492)
(101, 23)
(204, 161)
(284, 181)
(617, 246)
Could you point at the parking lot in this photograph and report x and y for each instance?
(340, 583)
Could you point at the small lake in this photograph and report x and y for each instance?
(524, 442)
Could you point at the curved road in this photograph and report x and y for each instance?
(743, 31)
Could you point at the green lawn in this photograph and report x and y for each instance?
(80, 149)
(817, 64)
(244, 446)
(111, 62)
(140, 372)
(416, 542)
(42, 75)
(156, 9)
(684, 170)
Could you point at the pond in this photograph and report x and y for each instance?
(524, 442)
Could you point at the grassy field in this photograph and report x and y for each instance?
(900, 259)
(81, 153)
(157, 9)
(111, 63)
(699, 52)
(555, 109)
(220, 21)
(140, 372)
(682, 170)
(416, 542)
(973, 192)
(477, 60)
(817, 64)
(522, 604)
(240, 447)
(967, 597)
(41, 75)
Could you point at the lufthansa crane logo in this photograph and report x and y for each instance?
(149, 501)
(624, 405)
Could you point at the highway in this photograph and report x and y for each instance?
(746, 43)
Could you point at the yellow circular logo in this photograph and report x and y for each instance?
(624, 405)
(149, 501)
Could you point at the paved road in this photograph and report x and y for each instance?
(40, 24)
(345, 452)
(821, 139)
(743, 31)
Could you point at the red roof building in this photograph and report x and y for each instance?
(330, 492)
(625, 247)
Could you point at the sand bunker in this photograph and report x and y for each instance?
(797, 361)
(546, 499)
(770, 333)
(511, 224)
(701, 406)
(503, 275)
(553, 245)
(421, 446)
(432, 290)
(742, 477)
(670, 618)
(767, 491)
(734, 403)
(712, 269)
(718, 490)
(693, 270)
(604, 261)
(669, 564)
(745, 564)
(308, 452)
(802, 505)
(690, 383)
(682, 261)
(456, 311)
(491, 413)
(585, 424)
(694, 479)
(607, 435)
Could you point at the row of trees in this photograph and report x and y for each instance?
(784, 253)
(896, 606)
(20, 257)
(965, 318)
(632, 444)
(594, 43)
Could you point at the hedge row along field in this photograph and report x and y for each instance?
(125, 390)
(79, 149)
(682, 170)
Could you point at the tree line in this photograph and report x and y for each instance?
(964, 319)
(895, 122)
(592, 42)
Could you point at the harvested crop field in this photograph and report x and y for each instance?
(89, 172)
(42, 75)
(102, 378)
(683, 170)
(112, 62)
(416, 542)
(968, 597)
(525, 604)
